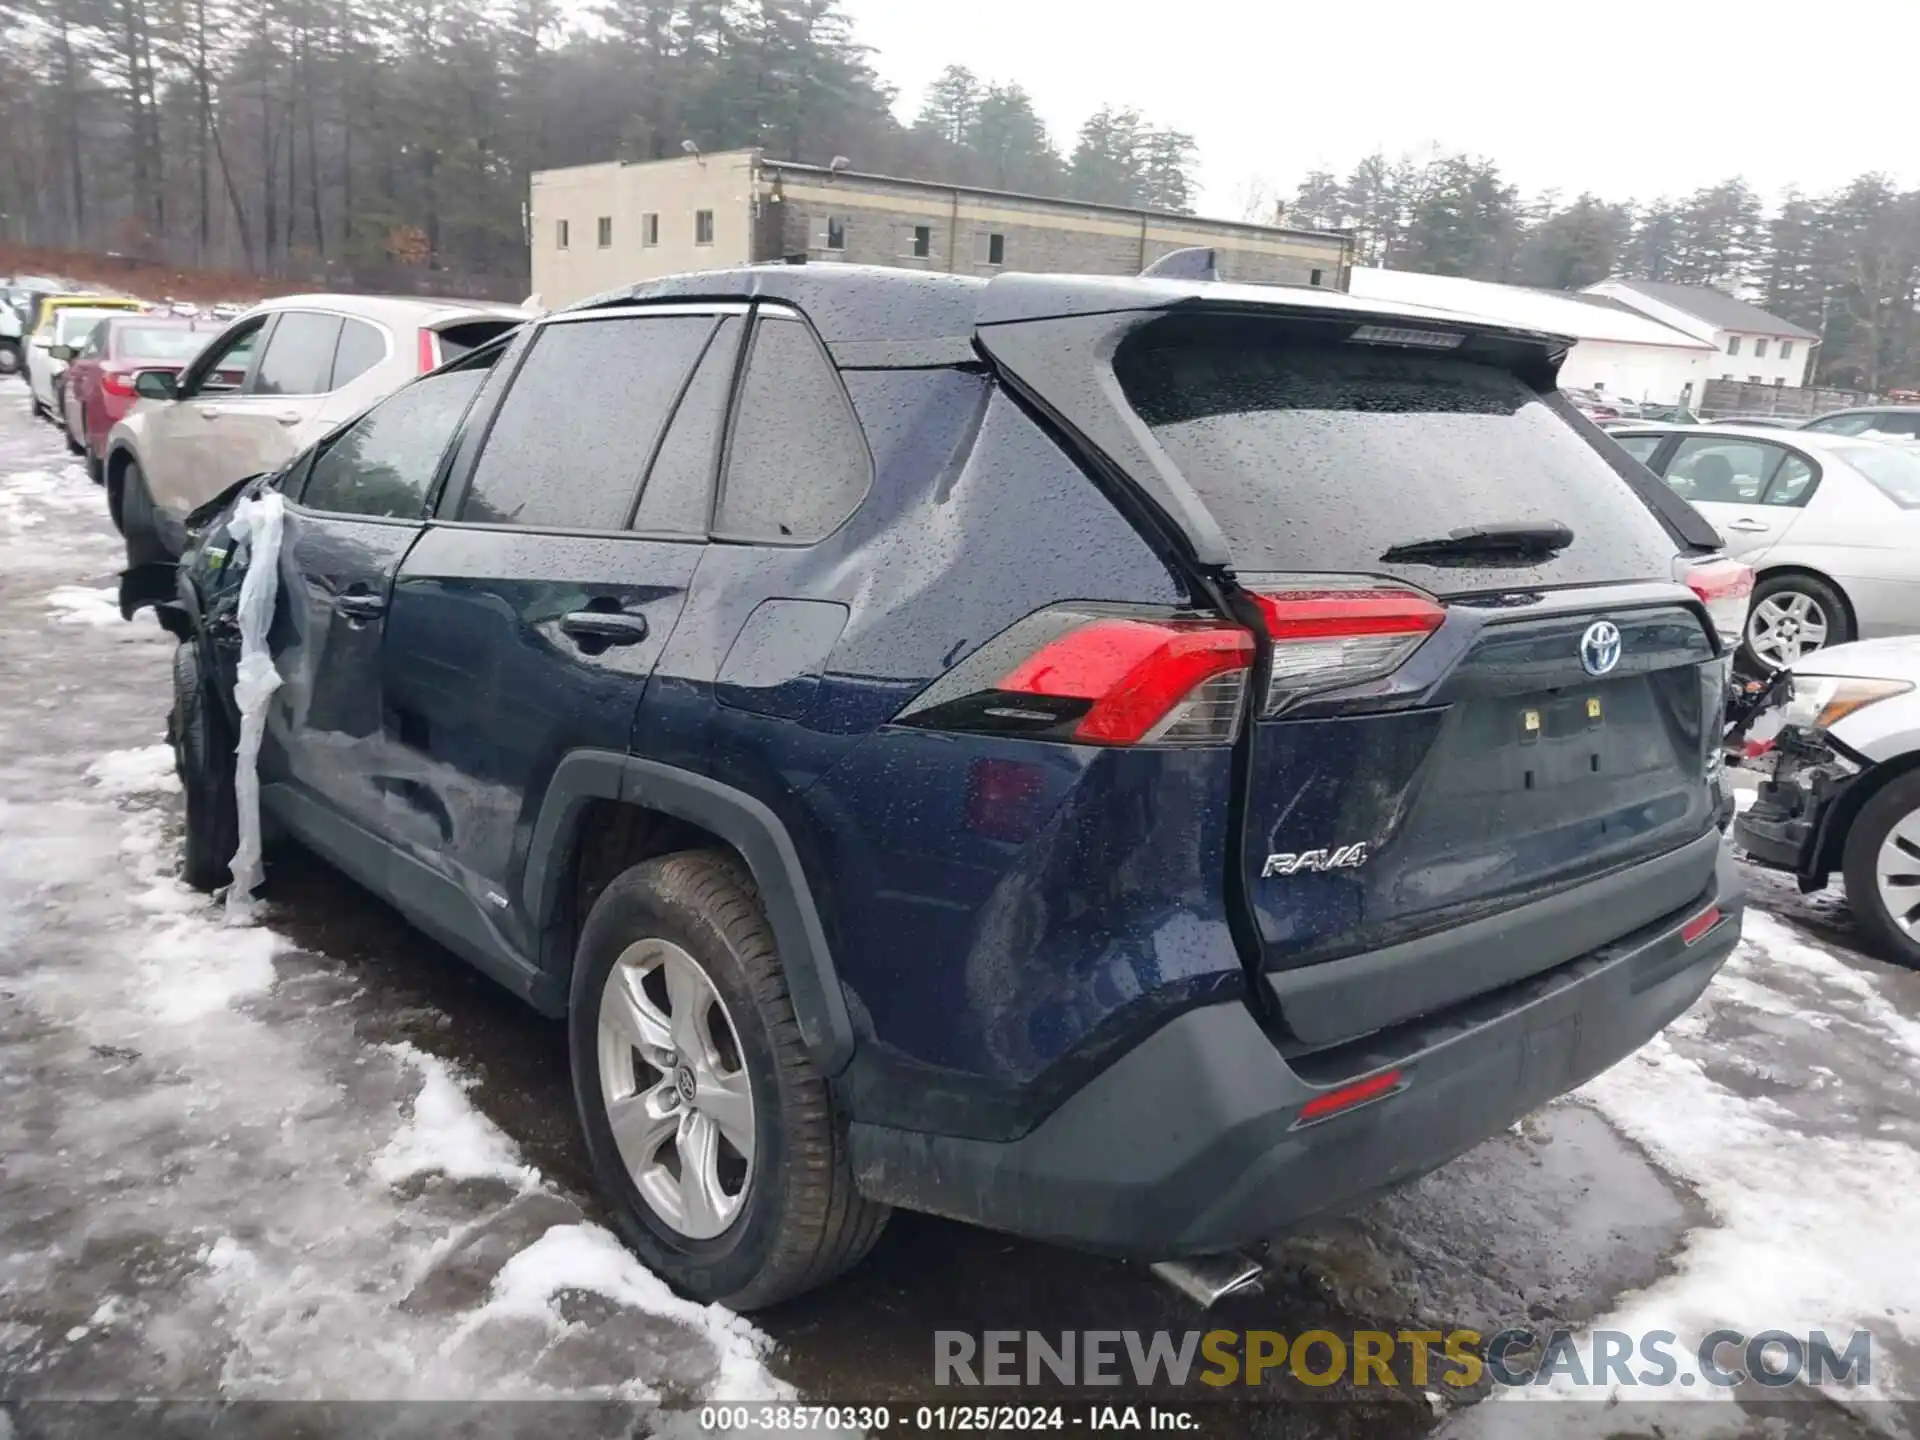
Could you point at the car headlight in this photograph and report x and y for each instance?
(1820, 702)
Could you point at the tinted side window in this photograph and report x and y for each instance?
(384, 464)
(299, 356)
(227, 362)
(1792, 483)
(1640, 447)
(797, 464)
(679, 488)
(362, 347)
(573, 436)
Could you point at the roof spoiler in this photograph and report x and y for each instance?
(1196, 262)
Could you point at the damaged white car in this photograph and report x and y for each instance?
(1837, 741)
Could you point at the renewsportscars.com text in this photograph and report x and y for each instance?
(1390, 1359)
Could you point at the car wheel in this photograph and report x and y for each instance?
(1881, 865)
(1792, 616)
(710, 1130)
(137, 520)
(203, 754)
(74, 447)
(9, 357)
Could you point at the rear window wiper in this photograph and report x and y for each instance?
(1529, 540)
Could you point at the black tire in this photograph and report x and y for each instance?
(10, 357)
(74, 447)
(97, 472)
(203, 754)
(1895, 802)
(137, 521)
(1820, 592)
(802, 1221)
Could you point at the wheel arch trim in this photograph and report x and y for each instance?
(744, 822)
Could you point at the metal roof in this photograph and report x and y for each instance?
(1718, 309)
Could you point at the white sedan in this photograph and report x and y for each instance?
(1830, 525)
(50, 350)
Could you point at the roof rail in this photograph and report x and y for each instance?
(1195, 262)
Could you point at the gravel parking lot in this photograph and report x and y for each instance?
(319, 1158)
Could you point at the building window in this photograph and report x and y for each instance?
(1726, 377)
(1778, 381)
(996, 249)
(922, 241)
(1313, 278)
(836, 232)
(1786, 349)
(650, 229)
(1760, 349)
(703, 227)
(605, 239)
(559, 234)
(1733, 345)
(1755, 380)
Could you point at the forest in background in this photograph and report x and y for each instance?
(389, 146)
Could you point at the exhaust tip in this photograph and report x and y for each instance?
(1208, 1279)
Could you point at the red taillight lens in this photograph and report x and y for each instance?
(1725, 587)
(429, 351)
(1348, 1096)
(1332, 637)
(116, 382)
(1097, 679)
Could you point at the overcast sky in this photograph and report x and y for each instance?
(1628, 98)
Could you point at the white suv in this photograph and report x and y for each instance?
(266, 387)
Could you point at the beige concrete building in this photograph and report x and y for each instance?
(598, 227)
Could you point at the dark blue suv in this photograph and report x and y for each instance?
(1134, 763)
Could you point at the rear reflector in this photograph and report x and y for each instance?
(1700, 924)
(1327, 639)
(1098, 679)
(1348, 1096)
(1725, 587)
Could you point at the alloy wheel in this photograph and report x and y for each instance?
(1896, 874)
(674, 1082)
(1785, 626)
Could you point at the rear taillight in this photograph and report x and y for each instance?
(1725, 587)
(1331, 636)
(114, 382)
(1098, 679)
(429, 351)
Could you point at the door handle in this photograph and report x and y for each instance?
(289, 417)
(609, 627)
(360, 605)
(209, 412)
(1750, 527)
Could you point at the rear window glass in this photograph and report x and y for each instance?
(1889, 469)
(160, 342)
(1315, 455)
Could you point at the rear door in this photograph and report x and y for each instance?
(354, 508)
(1444, 729)
(261, 426)
(528, 619)
(1750, 491)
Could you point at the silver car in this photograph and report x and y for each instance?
(1841, 790)
(275, 380)
(1830, 525)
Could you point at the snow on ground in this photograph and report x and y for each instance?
(1811, 1174)
(210, 1184)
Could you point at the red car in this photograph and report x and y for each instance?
(97, 388)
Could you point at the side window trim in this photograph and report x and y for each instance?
(779, 315)
(333, 366)
(263, 338)
(666, 427)
(195, 375)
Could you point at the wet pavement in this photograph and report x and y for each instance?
(327, 1159)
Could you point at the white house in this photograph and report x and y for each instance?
(1618, 351)
(1749, 344)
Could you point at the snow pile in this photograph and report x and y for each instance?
(446, 1135)
(257, 522)
(84, 605)
(147, 770)
(1814, 1222)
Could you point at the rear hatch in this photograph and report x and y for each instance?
(1482, 726)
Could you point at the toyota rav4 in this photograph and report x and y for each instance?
(1139, 764)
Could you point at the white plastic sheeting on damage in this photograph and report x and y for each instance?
(258, 521)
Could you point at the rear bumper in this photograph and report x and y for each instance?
(1189, 1143)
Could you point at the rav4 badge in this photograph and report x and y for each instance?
(1341, 857)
